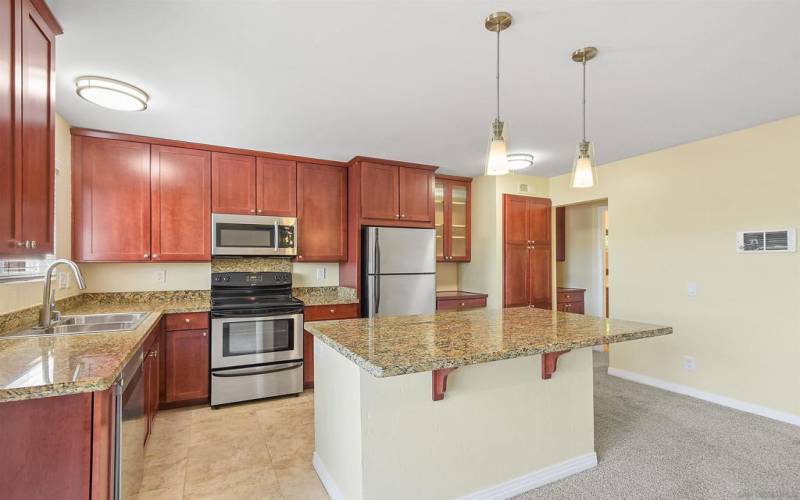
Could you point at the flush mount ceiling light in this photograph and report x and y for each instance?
(497, 162)
(584, 172)
(518, 161)
(110, 93)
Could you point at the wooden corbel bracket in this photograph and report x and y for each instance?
(439, 382)
(549, 362)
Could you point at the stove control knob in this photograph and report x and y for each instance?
(227, 278)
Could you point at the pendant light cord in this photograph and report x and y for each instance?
(584, 99)
(498, 74)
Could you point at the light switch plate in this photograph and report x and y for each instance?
(63, 280)
(161, 276)
(321, 272)
(691, 289)
(689, 364)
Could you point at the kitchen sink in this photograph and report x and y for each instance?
(86, 323)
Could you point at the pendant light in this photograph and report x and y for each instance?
(497, 161)
(584, 172)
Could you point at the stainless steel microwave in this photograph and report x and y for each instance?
(253, 235)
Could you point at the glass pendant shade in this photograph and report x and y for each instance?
(497, 161)
(584, 173)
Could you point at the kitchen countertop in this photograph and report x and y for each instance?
(400, 345)
(37, 367)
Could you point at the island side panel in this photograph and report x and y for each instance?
(337, 423)
(498, 421)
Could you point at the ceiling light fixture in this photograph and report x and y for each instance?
(518, 161)
(584, 172)
(497, 161)
(110, 93)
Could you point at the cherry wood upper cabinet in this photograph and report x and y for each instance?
(27, 126)
(453, 218)
(321, 212)
(181, 204)
(277, 187)
(561, 234)
(110, 200)
(416, 194)
(526, 251)
(380, 191)
(233, 183)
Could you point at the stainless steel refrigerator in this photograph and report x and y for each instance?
(398, 271)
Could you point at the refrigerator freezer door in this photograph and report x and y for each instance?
(401, 294)
(397, 250)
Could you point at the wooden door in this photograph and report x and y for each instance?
(516, 266)
(321, 213)
(181, 204)
(538, 220)
(110, 200)
(539, 287)
(416, 194)
(277, 187)
(233, 184)
(35, 144)
(187, 369)
(8, 241)
(380, 191)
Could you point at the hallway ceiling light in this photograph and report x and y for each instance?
(584, 172)
(111, 94)
(518, 161)
(497, 161)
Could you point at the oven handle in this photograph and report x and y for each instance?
(248, 316)
(237, 373)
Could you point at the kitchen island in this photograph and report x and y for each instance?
(476, 404)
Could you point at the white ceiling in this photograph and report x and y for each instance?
(414, 80)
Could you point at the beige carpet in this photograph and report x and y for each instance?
(655, 444)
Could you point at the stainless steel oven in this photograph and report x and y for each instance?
(253, 235)
(253, 341)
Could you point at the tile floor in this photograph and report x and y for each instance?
(258, 450)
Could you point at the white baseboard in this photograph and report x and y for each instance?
(707, 396)
(535, 479)
(326, 479)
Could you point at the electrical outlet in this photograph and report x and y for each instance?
(321, 272)
(63, 280)
(689, 364)
(691, 289)
(161, 276)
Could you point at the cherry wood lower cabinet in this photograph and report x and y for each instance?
(152, 372)
(186, 377)
(570, 300)
(526, 251)
(321, 313)
(459, 301)
(321, 213)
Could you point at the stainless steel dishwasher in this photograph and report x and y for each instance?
(130, 428)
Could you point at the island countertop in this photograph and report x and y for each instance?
(389, 346)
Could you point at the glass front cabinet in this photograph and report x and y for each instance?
(453, 209)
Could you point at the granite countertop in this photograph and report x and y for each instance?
(390, 346)
(36, 367)
(325, 295)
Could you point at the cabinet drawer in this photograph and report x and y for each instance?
(337, 311)
(570, 297)
(449, 304)
(187, 321)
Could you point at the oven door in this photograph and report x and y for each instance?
(249, 341)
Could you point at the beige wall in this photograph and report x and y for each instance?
(20, 295)
(484, 273)
(583, 266)
(673, 217)
(446, 276)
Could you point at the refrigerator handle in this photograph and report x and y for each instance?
(377, 270)
(377, 293)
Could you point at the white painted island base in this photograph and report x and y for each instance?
(500, 429)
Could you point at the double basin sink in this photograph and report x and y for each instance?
(86, 323)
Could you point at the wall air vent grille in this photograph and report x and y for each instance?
(779, 240)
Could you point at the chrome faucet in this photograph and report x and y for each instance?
(48, 314)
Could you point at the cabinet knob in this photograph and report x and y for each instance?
(402, 216)
(146, 255)
(333, 310)
(299, 257)
(396, 216)
(252, 210)
(204, 333)
(33, 244)
(259, 211)
(188, 320)
(463, 304)
(155, 255)
(18, 244)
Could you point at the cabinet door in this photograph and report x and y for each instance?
(539, 275)
(380, 191)
(515, 220)
(277, 187)
(538, 220)
(181, 204)
(459, 221)
(187, 369)
(36, 131)
(515, 275)
(111, 200)
(233, 184)
(321, 213)
(441, 219)
(416, 194)
(8, 241)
